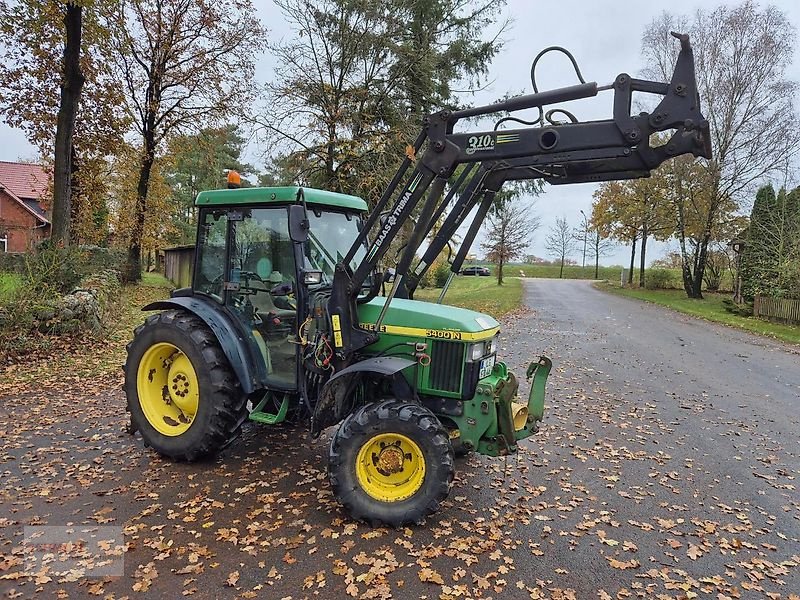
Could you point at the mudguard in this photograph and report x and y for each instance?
(330, 407)
(229, 337)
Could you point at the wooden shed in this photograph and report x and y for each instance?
(178, 264)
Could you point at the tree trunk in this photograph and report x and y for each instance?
(642, 256)
(700, 268)
(561, 272)
(75, 197)
(71, 85)
(633, 259)
(500, 272)
(133, 267)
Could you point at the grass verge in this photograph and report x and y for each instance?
(8, 283)
(156, 280)
(711, 309)
(479, 293)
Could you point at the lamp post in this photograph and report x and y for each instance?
(738, 246)
(585, 235)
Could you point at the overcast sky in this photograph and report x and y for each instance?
(604, 36)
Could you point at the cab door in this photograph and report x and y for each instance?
(245, 262)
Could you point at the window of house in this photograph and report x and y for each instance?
(4, 243)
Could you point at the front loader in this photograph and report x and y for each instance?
(284, 321)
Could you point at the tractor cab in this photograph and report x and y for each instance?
(247, 262)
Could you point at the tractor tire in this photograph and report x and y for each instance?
(391, 463)
(182, 394)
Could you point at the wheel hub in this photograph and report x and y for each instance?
(168, 389)
(390, 460)
(390, 467)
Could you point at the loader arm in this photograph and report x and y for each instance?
(616, 148)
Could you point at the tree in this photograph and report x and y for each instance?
(635, 208)
(612, 216)
(351, 87)
(71, 85)
(690, 195)
(560, 242)
(511, 227)
(741, 55)
(53, 55)
(160, 228)
(599, 245)
(199, 161)
(184, 64)
(772, 238)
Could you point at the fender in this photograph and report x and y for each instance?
(330, 407)
(230, 339)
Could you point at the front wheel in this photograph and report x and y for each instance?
(182, 394)
(391, 463)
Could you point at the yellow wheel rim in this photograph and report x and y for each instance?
(168, 389)
(390, 467)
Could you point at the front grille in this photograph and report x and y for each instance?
(447, 360)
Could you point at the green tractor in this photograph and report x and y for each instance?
(288, 317)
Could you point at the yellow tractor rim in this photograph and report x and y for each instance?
(168, 389)
(390, 467)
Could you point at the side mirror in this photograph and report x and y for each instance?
(298, 223)
(312, 277)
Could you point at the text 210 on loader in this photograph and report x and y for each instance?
(284, 320)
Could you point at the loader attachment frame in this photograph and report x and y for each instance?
(573, 152)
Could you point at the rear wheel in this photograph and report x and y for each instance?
(182, 394)
(391, 463)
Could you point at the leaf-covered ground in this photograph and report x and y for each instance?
(650, 479)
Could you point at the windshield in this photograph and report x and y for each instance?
(329, 238)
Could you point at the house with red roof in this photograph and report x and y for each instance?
(23, 219)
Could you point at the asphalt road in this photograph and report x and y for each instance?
(666, 467)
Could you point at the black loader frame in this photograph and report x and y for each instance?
(558, 153)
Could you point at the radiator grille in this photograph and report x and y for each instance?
(447, 360)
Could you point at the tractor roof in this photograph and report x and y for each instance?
(278, 195)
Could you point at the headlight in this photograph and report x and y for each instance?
(491, 346)
(475, 351)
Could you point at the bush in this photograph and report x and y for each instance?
(741, 310)
(441, 273)
(426, 280)
(53, 270)
(657, 279)
(61, 291)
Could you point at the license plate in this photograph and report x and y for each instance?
(487, 364)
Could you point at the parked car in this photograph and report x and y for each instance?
(482, 271)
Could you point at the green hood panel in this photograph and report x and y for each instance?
(425, 319)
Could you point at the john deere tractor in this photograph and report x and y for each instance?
(289, 318)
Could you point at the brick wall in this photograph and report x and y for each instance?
(18, 225)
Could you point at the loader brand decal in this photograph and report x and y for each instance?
(393, 218)
(439, 334)
(480, 143)
(487, 141)
(337, 331)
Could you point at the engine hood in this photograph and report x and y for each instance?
(425, 319)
